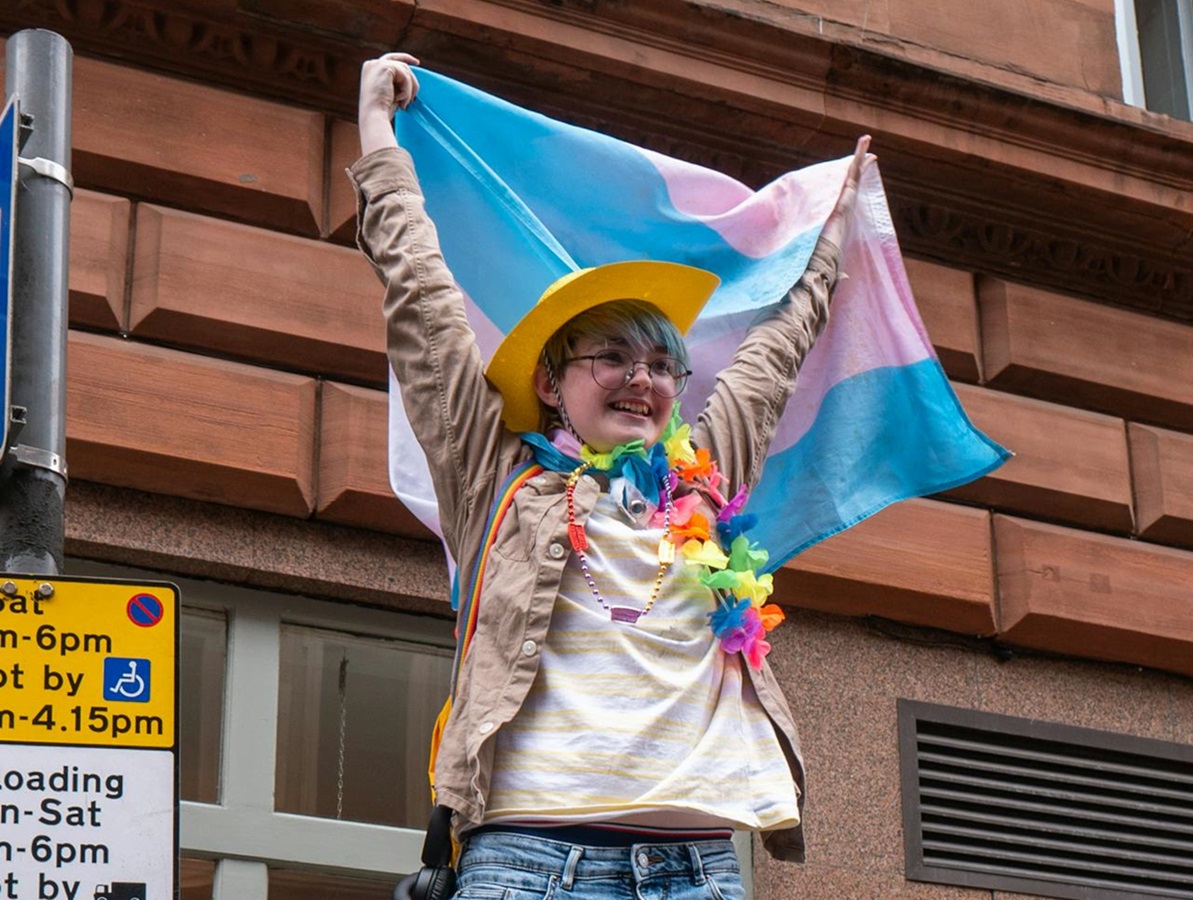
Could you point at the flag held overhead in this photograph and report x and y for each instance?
(521, 200)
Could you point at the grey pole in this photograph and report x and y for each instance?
(33, 495)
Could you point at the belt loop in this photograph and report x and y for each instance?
(697, 864)
(569, 868)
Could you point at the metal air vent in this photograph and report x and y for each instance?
(993, 801)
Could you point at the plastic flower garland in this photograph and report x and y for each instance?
(730, 559)
(743, 617)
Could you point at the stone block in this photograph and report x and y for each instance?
(191, 426)
(98, 259)
(1093, 595)
(1084, 354)
(341, 200)
(947, 304)
(1162, 468)
(921, 562)
(353, 463)
(1058, 41)
(294, 302)
(1069, 464)
(197, 147)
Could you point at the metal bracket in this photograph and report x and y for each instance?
(38, 458)
(47, 168)
(18, 418)
(24, 130)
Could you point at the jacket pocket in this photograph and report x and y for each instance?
(517, 537)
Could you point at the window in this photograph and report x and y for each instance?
(348, 708)
(1156, 51)
(304, 737)
(329, 707)
(195, 878)
(202, 652)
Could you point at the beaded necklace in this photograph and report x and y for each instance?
(579, 541)
(729, 563)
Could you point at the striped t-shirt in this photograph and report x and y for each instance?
(650, 723)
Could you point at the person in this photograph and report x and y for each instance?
(614, 719)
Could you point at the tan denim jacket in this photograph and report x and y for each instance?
(456, 415)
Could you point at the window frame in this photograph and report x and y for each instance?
(243, 833)
(1131, 54)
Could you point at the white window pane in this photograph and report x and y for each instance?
(202, 661)
(1162, 55)
(355, 716)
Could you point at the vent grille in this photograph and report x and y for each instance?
(998, 802)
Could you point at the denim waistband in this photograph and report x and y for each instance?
(574, 862)
(606, 835)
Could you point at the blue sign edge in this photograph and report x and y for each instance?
(9, 138)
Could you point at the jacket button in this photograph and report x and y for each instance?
(529, 647)
(485, 727)
(556, 551)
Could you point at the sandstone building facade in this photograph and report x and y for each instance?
(227, 390)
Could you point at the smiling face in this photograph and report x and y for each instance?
(604, 417)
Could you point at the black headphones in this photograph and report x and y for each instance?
(428, 883)
(436, 880)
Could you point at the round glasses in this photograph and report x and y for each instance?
(613, 369)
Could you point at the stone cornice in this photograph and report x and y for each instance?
(1034, 182)
(306, 53)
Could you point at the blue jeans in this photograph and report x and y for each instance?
(518, 867)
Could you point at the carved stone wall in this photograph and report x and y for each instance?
(1060, 189)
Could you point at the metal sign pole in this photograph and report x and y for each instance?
(33, 495)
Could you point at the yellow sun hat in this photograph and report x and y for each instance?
(678, 291)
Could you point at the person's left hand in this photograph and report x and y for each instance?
(838, 221)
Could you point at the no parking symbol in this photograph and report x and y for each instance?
(145, 610)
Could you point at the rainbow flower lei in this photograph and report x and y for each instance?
(729, 559)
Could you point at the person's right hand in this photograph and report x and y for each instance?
(387, 84)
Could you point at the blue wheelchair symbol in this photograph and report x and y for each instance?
(126, 679)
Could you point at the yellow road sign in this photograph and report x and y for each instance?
(88, 662)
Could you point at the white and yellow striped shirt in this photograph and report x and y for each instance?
(650, 723)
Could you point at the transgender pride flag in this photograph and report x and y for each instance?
(520, 199)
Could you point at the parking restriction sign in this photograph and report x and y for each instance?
(88, 739)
